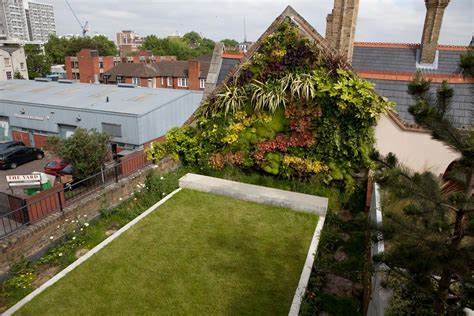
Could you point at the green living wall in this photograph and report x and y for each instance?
(290, 111)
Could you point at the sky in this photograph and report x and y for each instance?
(378, 20)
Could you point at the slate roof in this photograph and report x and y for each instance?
(226, 66)
(164, 68)
(401, 59)
(10, 49)
(140, 70)
(461, 112)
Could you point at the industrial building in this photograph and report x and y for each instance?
(133, 116)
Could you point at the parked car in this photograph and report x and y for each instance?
(7, 144)
(15, 156)
(55, 166)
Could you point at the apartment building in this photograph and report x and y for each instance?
(13, 23)
(40, 21)
(87, 66)
(12, 61)
(128, 42)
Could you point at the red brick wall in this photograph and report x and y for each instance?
(68, 67)
(88, 66)
(194, 69)
(21, 136)
(108, 62)
(40, 140)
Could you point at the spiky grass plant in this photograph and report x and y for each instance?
(269, 95)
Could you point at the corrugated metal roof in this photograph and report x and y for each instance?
(402, 59)
(461, 112)
(92, 97)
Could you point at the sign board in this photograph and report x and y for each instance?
(29, 117)
(24, 180)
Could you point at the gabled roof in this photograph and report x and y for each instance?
(165, 68)
(305, 28)
(139, 70)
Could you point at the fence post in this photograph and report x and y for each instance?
(60, 201)
(116, 172)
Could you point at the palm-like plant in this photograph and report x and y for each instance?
(303, 86)
(269, 95)
(231, 99)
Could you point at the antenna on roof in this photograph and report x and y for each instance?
(245, 30)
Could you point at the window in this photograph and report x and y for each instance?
(202, 83)
(9, 75)
(182, 82)
(169, 81)
(22, 66)
(136, 81)
(119, 79)
(7, 62)
(114, 130)
(101, 64)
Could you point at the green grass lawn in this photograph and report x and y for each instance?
(196, 254)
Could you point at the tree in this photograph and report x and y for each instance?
(467, 62)
(57, 48)
(230, 43)
(38, 64)
(191, 45)
(18, 75)
(86, 150)
(429, 224)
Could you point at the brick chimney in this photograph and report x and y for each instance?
(341, 26)
(429, 40)
(194, 69)
(88, 60)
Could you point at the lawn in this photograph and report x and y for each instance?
(196, 254)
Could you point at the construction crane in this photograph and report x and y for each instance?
(85, 26)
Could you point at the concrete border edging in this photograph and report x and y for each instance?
(308, 266)
(89, 254)
(255, 193)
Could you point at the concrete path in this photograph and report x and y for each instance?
(255, 193)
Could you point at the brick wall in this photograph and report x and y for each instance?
(88, 66)
(35, 239)
(193, 74)
(40, 140)
(68, 67)
(21, 136)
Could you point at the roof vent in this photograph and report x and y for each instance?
(65, 81)
(42, 79)
(126, 85)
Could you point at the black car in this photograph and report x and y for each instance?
(7, 144)
(15, 156)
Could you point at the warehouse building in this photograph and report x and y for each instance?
(133, 116)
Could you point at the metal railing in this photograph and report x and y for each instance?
(45, 203)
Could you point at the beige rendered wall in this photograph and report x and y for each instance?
(416, 150)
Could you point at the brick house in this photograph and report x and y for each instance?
(172, 74)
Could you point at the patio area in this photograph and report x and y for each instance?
(198, 253)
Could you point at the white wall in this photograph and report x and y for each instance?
(416, 150)
(17, 63)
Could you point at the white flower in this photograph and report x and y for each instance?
(161, 178)
(73, 221)
(81, 229)
(74, 238)
(120, 199)
(135, 199)
(60, 254)
(51, 237)
(74, 231)
(67, 220)
(86, 224)
(163, 193)
(85, 215)
(59, 226)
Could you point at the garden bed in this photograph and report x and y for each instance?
(196, 254)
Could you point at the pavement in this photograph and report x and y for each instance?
(27, 168)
